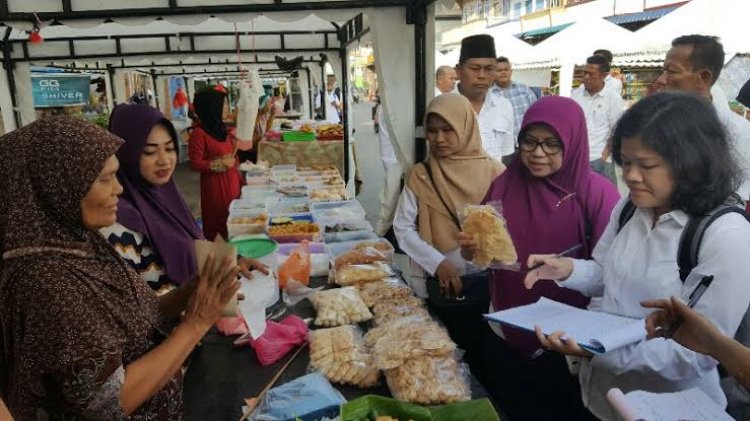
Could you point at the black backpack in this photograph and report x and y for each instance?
(690, 241)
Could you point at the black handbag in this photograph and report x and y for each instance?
(475, 286)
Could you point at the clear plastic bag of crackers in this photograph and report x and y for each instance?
(485, 223)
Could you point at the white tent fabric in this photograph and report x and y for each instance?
(393, 44)
(511, 47)
(575, 43)
(726, 19)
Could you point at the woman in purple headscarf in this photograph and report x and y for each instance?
(552, 200)
(155, 230)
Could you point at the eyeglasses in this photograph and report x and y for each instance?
(549, 146)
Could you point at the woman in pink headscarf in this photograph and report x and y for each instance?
(552, 200)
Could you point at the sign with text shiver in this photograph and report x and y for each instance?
(59, 90)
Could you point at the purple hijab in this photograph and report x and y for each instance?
(159, 213)
(549, 215)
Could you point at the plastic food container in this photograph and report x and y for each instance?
(328, 194)
(283, 169)
(258, 179)
(256, 193)
(276, 220)
(246, 222)
(246, 205)
(319, 257)
(345, 236)
(345, 210)
(288, 206)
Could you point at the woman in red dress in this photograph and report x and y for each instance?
(211, 152)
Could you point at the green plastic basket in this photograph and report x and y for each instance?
(297, 136)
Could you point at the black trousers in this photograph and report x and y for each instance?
(463, 319)
(541, 388)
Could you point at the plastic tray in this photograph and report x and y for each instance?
(258, 180)
(294, 216)
(283, 169)
(297, 136)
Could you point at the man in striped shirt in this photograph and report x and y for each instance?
(519, 95)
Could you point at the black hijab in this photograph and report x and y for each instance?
(209, 106)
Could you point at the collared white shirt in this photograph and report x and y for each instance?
(405, 228)
(496, 122)
(332, 113)
(602, 111)
(640, 263)
(613, 84)
(521, 97)
(738, 132)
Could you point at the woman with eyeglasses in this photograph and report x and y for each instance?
(551, 200)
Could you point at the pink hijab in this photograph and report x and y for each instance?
(549, 215)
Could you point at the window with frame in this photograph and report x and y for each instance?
(540, 5)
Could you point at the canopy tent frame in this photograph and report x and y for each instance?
(174, 9)
(416, 12)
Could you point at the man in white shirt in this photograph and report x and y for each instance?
(333, 102)
(603, 109)
(610, 82)
(694, 64)
(445, 80)
(476, 71)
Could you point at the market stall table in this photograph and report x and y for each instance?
(221, 376)
(328, 152)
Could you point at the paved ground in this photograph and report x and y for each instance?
(368, 157)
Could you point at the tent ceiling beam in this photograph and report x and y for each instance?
(178, 64)
(174, 9)
(173, 52)
(178, 35)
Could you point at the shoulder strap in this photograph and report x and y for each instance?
(450, 211)
(690, 242)
(626, 214)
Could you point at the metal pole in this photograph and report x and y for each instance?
(8, 65)
(323, 87)
(420, 72)
(156, 89)
(111, 75)
(345, 110)
(309, 93)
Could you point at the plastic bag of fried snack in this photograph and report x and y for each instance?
(486, 224)
(359, 256)
(406, 340)
(339, 353)
(398, 307)
(429, 381)
(381, 291)
(374, 334)
(358, 274)
(339, 306)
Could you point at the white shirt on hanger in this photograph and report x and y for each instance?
(640, 263)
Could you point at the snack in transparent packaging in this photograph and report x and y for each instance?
(429, 381)
(339, 306)
(385, 290)
(381, 245)
(398, 307)
(360, 256)
(297, 266)
(359, 274)
(340, 354)
(406, 340)
(373, 335)
(487, 225)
